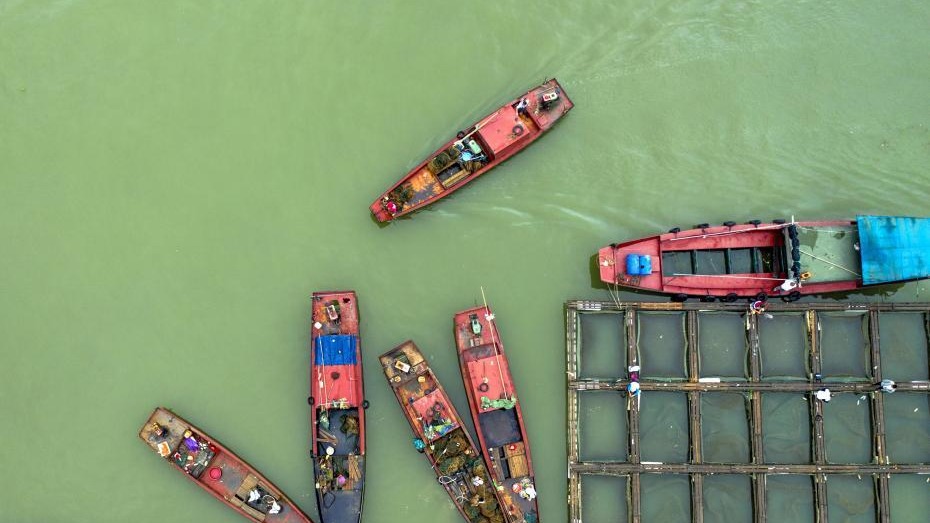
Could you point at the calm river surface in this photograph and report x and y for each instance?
(176, 178)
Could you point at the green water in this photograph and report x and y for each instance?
(176, 178)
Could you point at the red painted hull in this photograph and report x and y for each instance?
(231, 466)
(499, 136)
(337, 389)
(486, 373)
(613, 269)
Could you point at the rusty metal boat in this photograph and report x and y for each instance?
(337, 401)
(475, 151)
(217, 470)
(496, 411)
(440, 434)
(779, 258)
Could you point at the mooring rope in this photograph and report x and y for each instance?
(728, 276)
(829, 262)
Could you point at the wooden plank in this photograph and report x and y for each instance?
(755, 427)
(694, 354)
(883, 498)
(758, 498)
(740, 306)
(624, 468)
(883, 501)
(818, 444)
(574, 497)
(632, 358)
(755, 357)
(694, 427)
(635, 501)
(572, 339)
(697, 498)
(861, 387)
(820, 498)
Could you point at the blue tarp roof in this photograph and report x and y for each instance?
(336, 349)
(894, 248)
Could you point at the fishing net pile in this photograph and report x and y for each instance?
(455, 459)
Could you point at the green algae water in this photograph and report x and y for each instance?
(176, 178)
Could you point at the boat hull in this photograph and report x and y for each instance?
(496, 137)
(337, 400)
(217, 470)
(502, 434)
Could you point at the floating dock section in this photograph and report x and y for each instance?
(813, 322)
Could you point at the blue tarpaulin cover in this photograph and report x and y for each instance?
(335, 349)
(894, 248)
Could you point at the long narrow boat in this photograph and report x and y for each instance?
(475, 150)
(772, 259)
(217, 470)
(337, 398)
(440, 434)
(496, 412)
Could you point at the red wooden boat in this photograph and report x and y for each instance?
(496, 412)
(772, 259)
(441, 435)
(337, 398)
(475, 150)
(217, 470)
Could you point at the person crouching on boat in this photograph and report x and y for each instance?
(787, 286)
(522, 105)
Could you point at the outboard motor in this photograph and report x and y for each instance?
(549, 99)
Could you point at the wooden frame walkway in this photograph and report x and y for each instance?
(880, 469)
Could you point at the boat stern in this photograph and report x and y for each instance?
(380, 212)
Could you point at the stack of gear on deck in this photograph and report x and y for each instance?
(349, 425)
(473, 165)
(442, 160)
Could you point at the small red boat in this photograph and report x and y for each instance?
(217, 470)
(496, 412)
(441, 435)
(772, 259)
(475, 150)
(337, 399)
